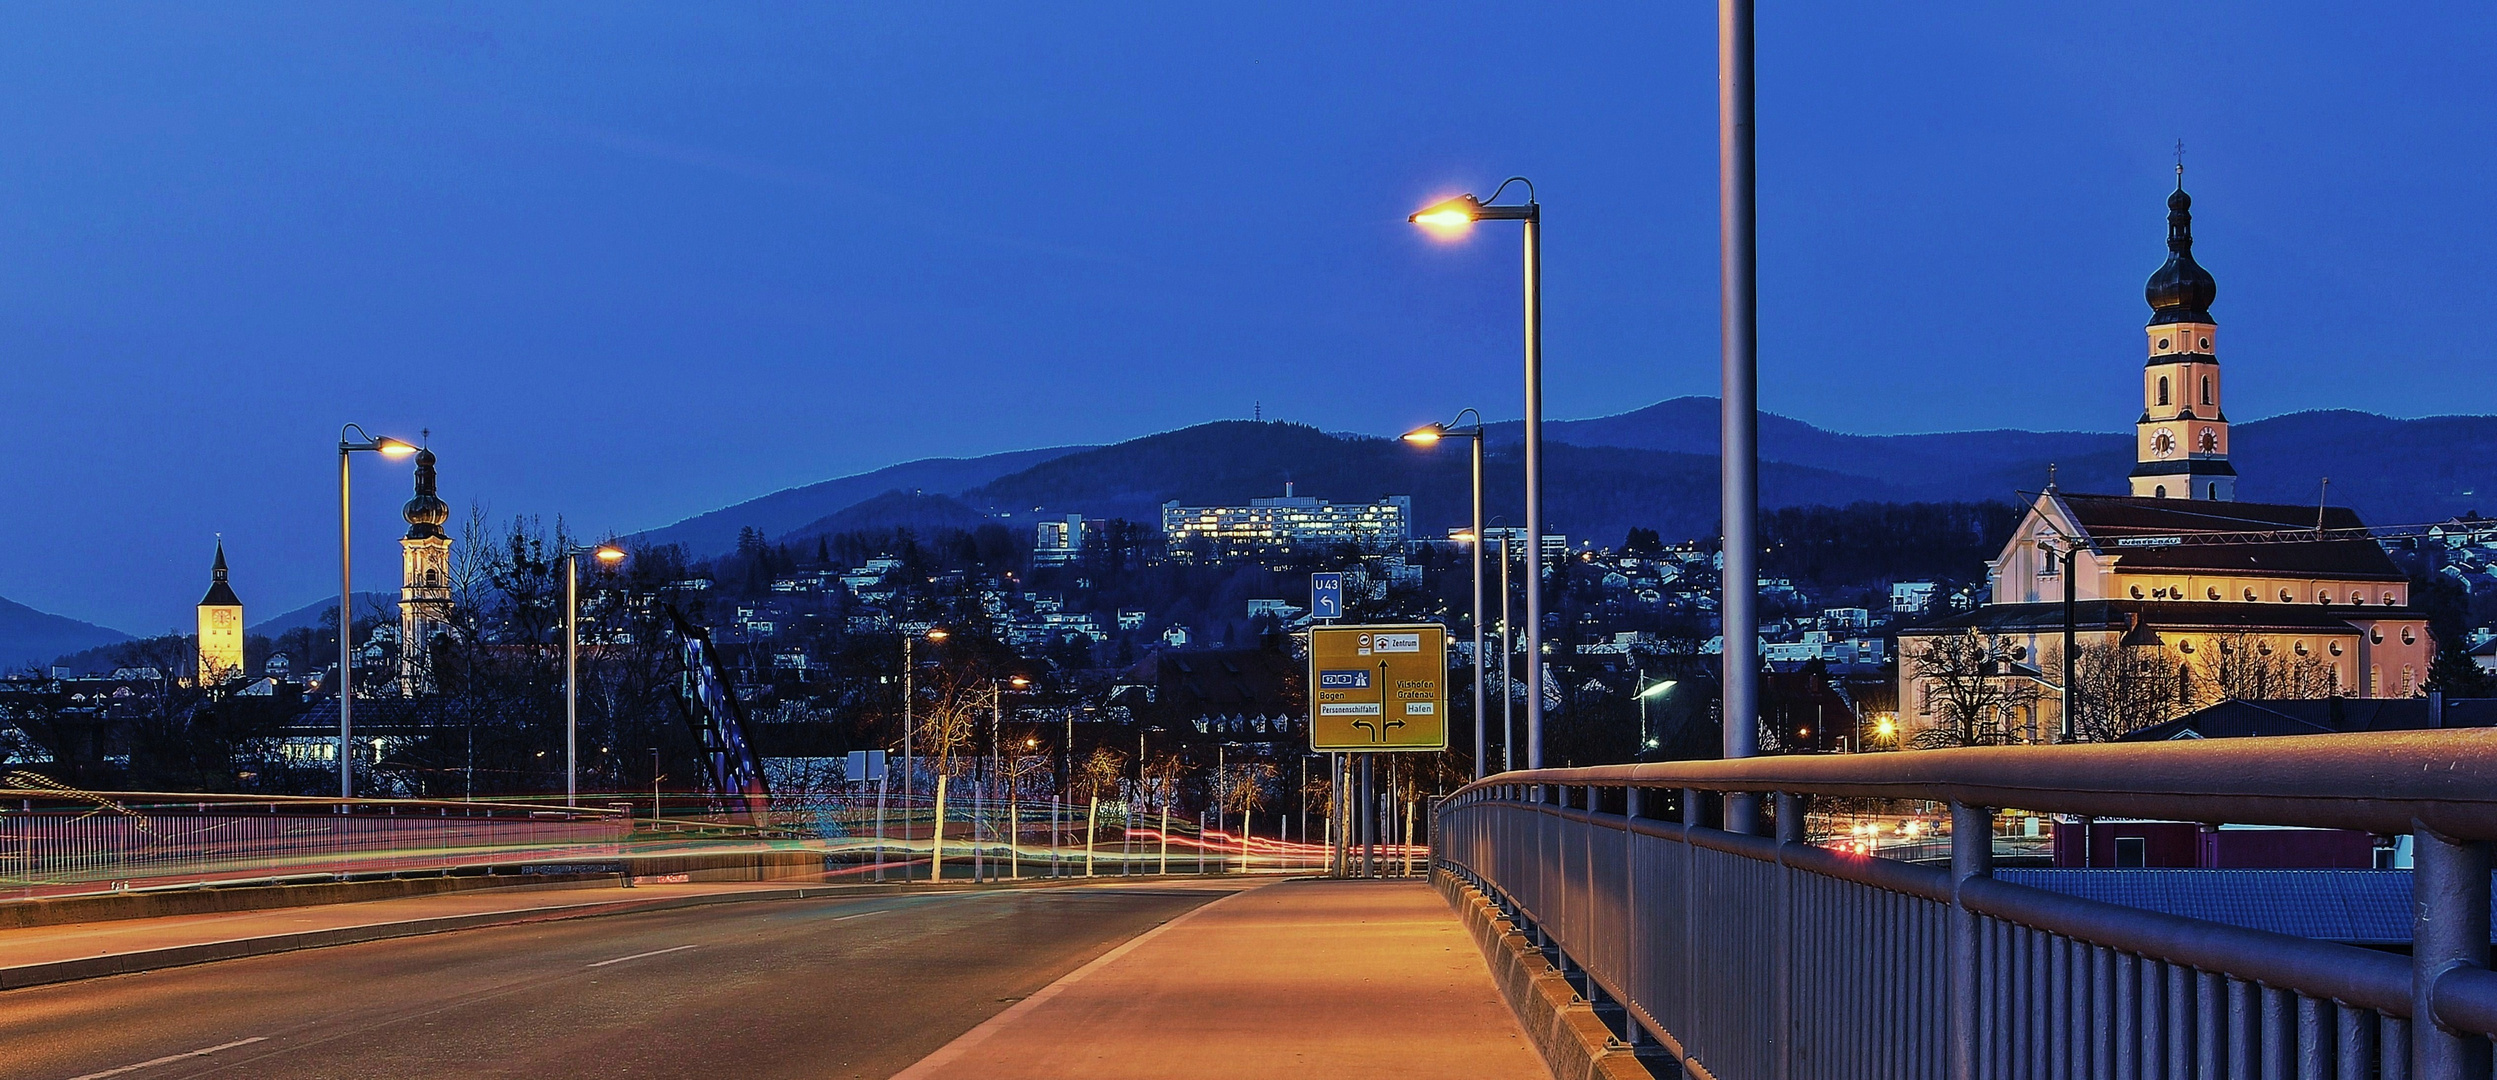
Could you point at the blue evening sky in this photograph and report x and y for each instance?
(632, 262)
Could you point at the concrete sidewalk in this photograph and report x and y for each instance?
(47, 954)
(1375, 979)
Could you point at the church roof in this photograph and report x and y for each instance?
(220, 594)
(2350, 554)
(2180, 290)
(2168, 616)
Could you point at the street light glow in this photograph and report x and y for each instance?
(1657, 689)
(1449, 216)
(609, 553)
(393, 448)
(1426, 435)
(937, 634)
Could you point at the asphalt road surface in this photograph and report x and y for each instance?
(853, 987)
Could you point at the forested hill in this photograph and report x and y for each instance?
(2393, 471)
(1655, 468)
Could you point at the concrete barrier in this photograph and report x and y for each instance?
(1563, 1026)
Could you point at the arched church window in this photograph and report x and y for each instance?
(2213, 494)
(2159, 492)
(2206, 389)
(2163, 388)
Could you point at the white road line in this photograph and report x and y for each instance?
(639, 955)
(861, 915)
(171, 1058)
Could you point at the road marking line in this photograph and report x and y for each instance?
(171, 1058)
(945, 1055)
(639, 955)
(861, 915)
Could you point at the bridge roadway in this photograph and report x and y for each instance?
(1173, 977)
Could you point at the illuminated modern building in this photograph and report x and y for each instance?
(220, 628)
(1290, 525)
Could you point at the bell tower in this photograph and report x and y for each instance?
(220, 628)
(424, 580)
(2181, 440)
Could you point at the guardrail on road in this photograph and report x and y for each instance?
(1751, 957)
(56, 844)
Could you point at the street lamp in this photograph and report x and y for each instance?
(611, 555)
(389, 448)
(1430, 435)
(1659, 689)
(910, 728)
(1454, 217)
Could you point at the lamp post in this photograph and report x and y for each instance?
(1659, 688)
(611, 555)
(1738, 459)
(390, 448)
(1452, 216)
(1430, 436)
(910, 730)
(1508, 686)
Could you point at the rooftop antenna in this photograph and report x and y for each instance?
(2320, 495)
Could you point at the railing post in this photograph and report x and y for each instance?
(1972, 856)
(2449, 929)
(1789, 824)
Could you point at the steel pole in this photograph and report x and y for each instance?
(1474, 555)
(910, 737)
(346, 638)
(2071, 651)
(572, 676)
(1738, 477)
(1508, 685)
(1534, 489)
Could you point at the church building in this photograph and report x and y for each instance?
(424, 580)
(220, 628)
(2176, 594)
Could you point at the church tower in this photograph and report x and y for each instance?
(424, 580)
(220, 628)
(2181, 441)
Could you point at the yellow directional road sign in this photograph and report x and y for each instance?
(1378, 687)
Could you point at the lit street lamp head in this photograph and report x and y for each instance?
(937, 633)
(1451, 214)
(1426, 435)
(609, 553)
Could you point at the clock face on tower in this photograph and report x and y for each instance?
(2162, 443)
(223, 618)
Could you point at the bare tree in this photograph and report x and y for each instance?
(2123, 689)
(1973, 692)
(2245, 667)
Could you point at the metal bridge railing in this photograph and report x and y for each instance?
(52, 844)
(1750, 957)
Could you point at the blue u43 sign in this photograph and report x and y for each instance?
(1326, 596)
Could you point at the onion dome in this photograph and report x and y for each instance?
(426, 512)
(2181, 291)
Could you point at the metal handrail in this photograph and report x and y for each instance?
(1646, 910)
(2385, 783)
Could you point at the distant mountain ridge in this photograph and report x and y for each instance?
(1653, 467)
(793, 509)
(32, 639)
